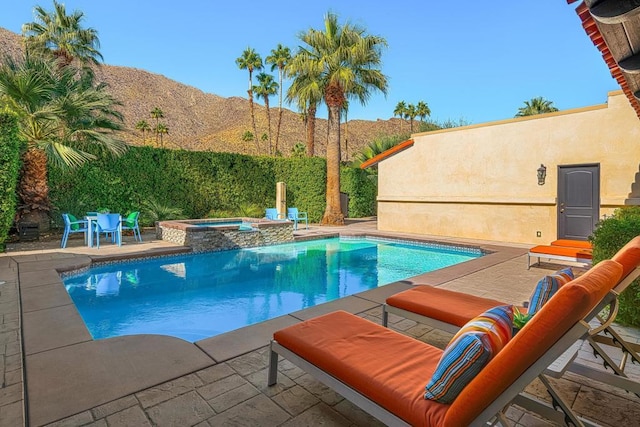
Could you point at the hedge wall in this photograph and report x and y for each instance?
(610, 235)
(200, 183)
(9, 172)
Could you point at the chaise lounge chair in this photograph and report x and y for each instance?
(449, 310)
(578, 251)
(385, 373)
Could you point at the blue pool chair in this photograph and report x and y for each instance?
(131, 223)
(272, 213)
(109, 223)
(73, 225)
(294, 215)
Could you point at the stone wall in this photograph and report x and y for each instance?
(205, 239)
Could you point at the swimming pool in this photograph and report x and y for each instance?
(198, 296)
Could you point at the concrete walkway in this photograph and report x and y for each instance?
(155, 380)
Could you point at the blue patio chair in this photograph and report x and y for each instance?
(131, 223)
(294, 215)
(73, 225)
(109, 223)
(272, 213)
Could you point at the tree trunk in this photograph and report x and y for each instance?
(253, 121)
(333, 213)
(33, 189)
(279, 109)
(266, 104)
(311, 130)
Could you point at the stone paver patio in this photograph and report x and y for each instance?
(72, 380)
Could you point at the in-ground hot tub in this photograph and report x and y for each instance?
(219, 234)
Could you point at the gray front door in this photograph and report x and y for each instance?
(578, 201)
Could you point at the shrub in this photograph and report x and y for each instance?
(203, 184)
(610, 235)
(9, 172)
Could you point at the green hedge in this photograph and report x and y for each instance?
(610, 235)
(202, 183)
(9, 171)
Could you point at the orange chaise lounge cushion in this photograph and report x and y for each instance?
(579, 253)
(436, 303)
(629, 256)
(584, 244)
(389, 368)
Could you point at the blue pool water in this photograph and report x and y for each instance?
(197, 296)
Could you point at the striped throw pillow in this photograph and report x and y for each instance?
(546, 287)
(469, 351)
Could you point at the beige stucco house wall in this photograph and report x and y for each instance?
(480, 181)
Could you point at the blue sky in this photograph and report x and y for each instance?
(469, 60)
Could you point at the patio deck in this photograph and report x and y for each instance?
(70, 380)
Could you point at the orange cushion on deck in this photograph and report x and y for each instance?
(455, 308)
(584, 244)
(561, 251)
(389, 368)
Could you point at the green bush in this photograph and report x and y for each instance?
(362, 190)
(9, 171)
(202, 184)
(610, 235)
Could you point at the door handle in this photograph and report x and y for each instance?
(561, 210)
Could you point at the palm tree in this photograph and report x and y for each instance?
(375, 147)
(422, 110)
(157, 114)
(401, 108)
(279, 58)
(247, 136)
(266, 87)
(62, 114)
(143, 126)
(306, 91)
(161, 129)
(250, 60)
(537, 105)
(61, 35)
(346, 60)
(298, 150)
(410, 113)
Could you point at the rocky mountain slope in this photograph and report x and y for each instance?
(204, 121)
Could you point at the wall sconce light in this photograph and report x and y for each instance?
(542, 174)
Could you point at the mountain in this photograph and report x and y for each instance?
(202, 121)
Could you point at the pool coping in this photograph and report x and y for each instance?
(57, 345)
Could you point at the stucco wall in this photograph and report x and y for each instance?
(480, 181)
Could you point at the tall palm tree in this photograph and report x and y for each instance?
(143, 126)
(250, 60)
(410, 113)
(347, 61)
(537, 105)
(279, 58)
(306, 92)
(62, 114)
(62, 36)
(162, 129)
(157, 114)
(265, 88)
(401, 108)
(422, 110)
